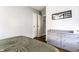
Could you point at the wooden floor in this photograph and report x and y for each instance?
(43, 39)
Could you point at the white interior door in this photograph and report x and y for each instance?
(39, 26)
(34, 25)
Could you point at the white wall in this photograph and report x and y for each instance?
(62, 24)
(16, 21)
(44, 11)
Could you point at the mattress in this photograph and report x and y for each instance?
(25, 44)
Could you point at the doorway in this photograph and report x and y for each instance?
(36, 25)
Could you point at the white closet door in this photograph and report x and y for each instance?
(39, 25)
(35, 25)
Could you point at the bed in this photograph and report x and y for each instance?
(25, 44)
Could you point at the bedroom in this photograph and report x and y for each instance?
(58, 38)
(50, 28)
(21, 28)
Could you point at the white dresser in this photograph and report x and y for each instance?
(63, 39)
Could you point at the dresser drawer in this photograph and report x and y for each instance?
(70, 46)
(70, 35)
(54, 42)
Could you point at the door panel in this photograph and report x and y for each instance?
(34, 25)
(39, 26)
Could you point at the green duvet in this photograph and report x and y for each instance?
(24, 44)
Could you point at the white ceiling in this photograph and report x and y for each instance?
(39, 8)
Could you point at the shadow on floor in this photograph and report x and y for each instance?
(42, 38)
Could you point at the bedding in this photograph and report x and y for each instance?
(25, 44)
